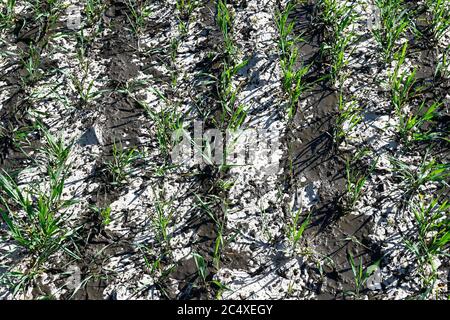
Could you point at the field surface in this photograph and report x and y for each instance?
(224, 149)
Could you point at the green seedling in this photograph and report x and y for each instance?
(31, 63)
(293, 84)
(185, 9)
(285, 30)
(360, 275)
(36, 219)
(56, 150)
(7, 14)
(221, 240)
(331, 12)
(233, 114)
(84, 87)
(402, 83)
(224, 21)
(296, 229)
(46, 14)
(432, 239)
(174, 44)
(93, 10)
(15, 137)
(153, 266)
(220, 289)
(159, 271)
(348, 117)
(336, 19)
(167, 121)
(433, 224)
(17, 281)
(201, 265)
(337, 52)
(428, 171)
(394, 23)
(219, 221)
(164, 214)
(237, 117)
(440, 17)
(410, 126)
(294, 81)
(104, 214)
(356, 179)
(443, 65)
(119, 166)
(139, 12)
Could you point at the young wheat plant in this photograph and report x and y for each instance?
(394, 23)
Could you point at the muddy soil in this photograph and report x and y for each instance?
(174, 63)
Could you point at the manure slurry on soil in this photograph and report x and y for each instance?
(224, 149)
